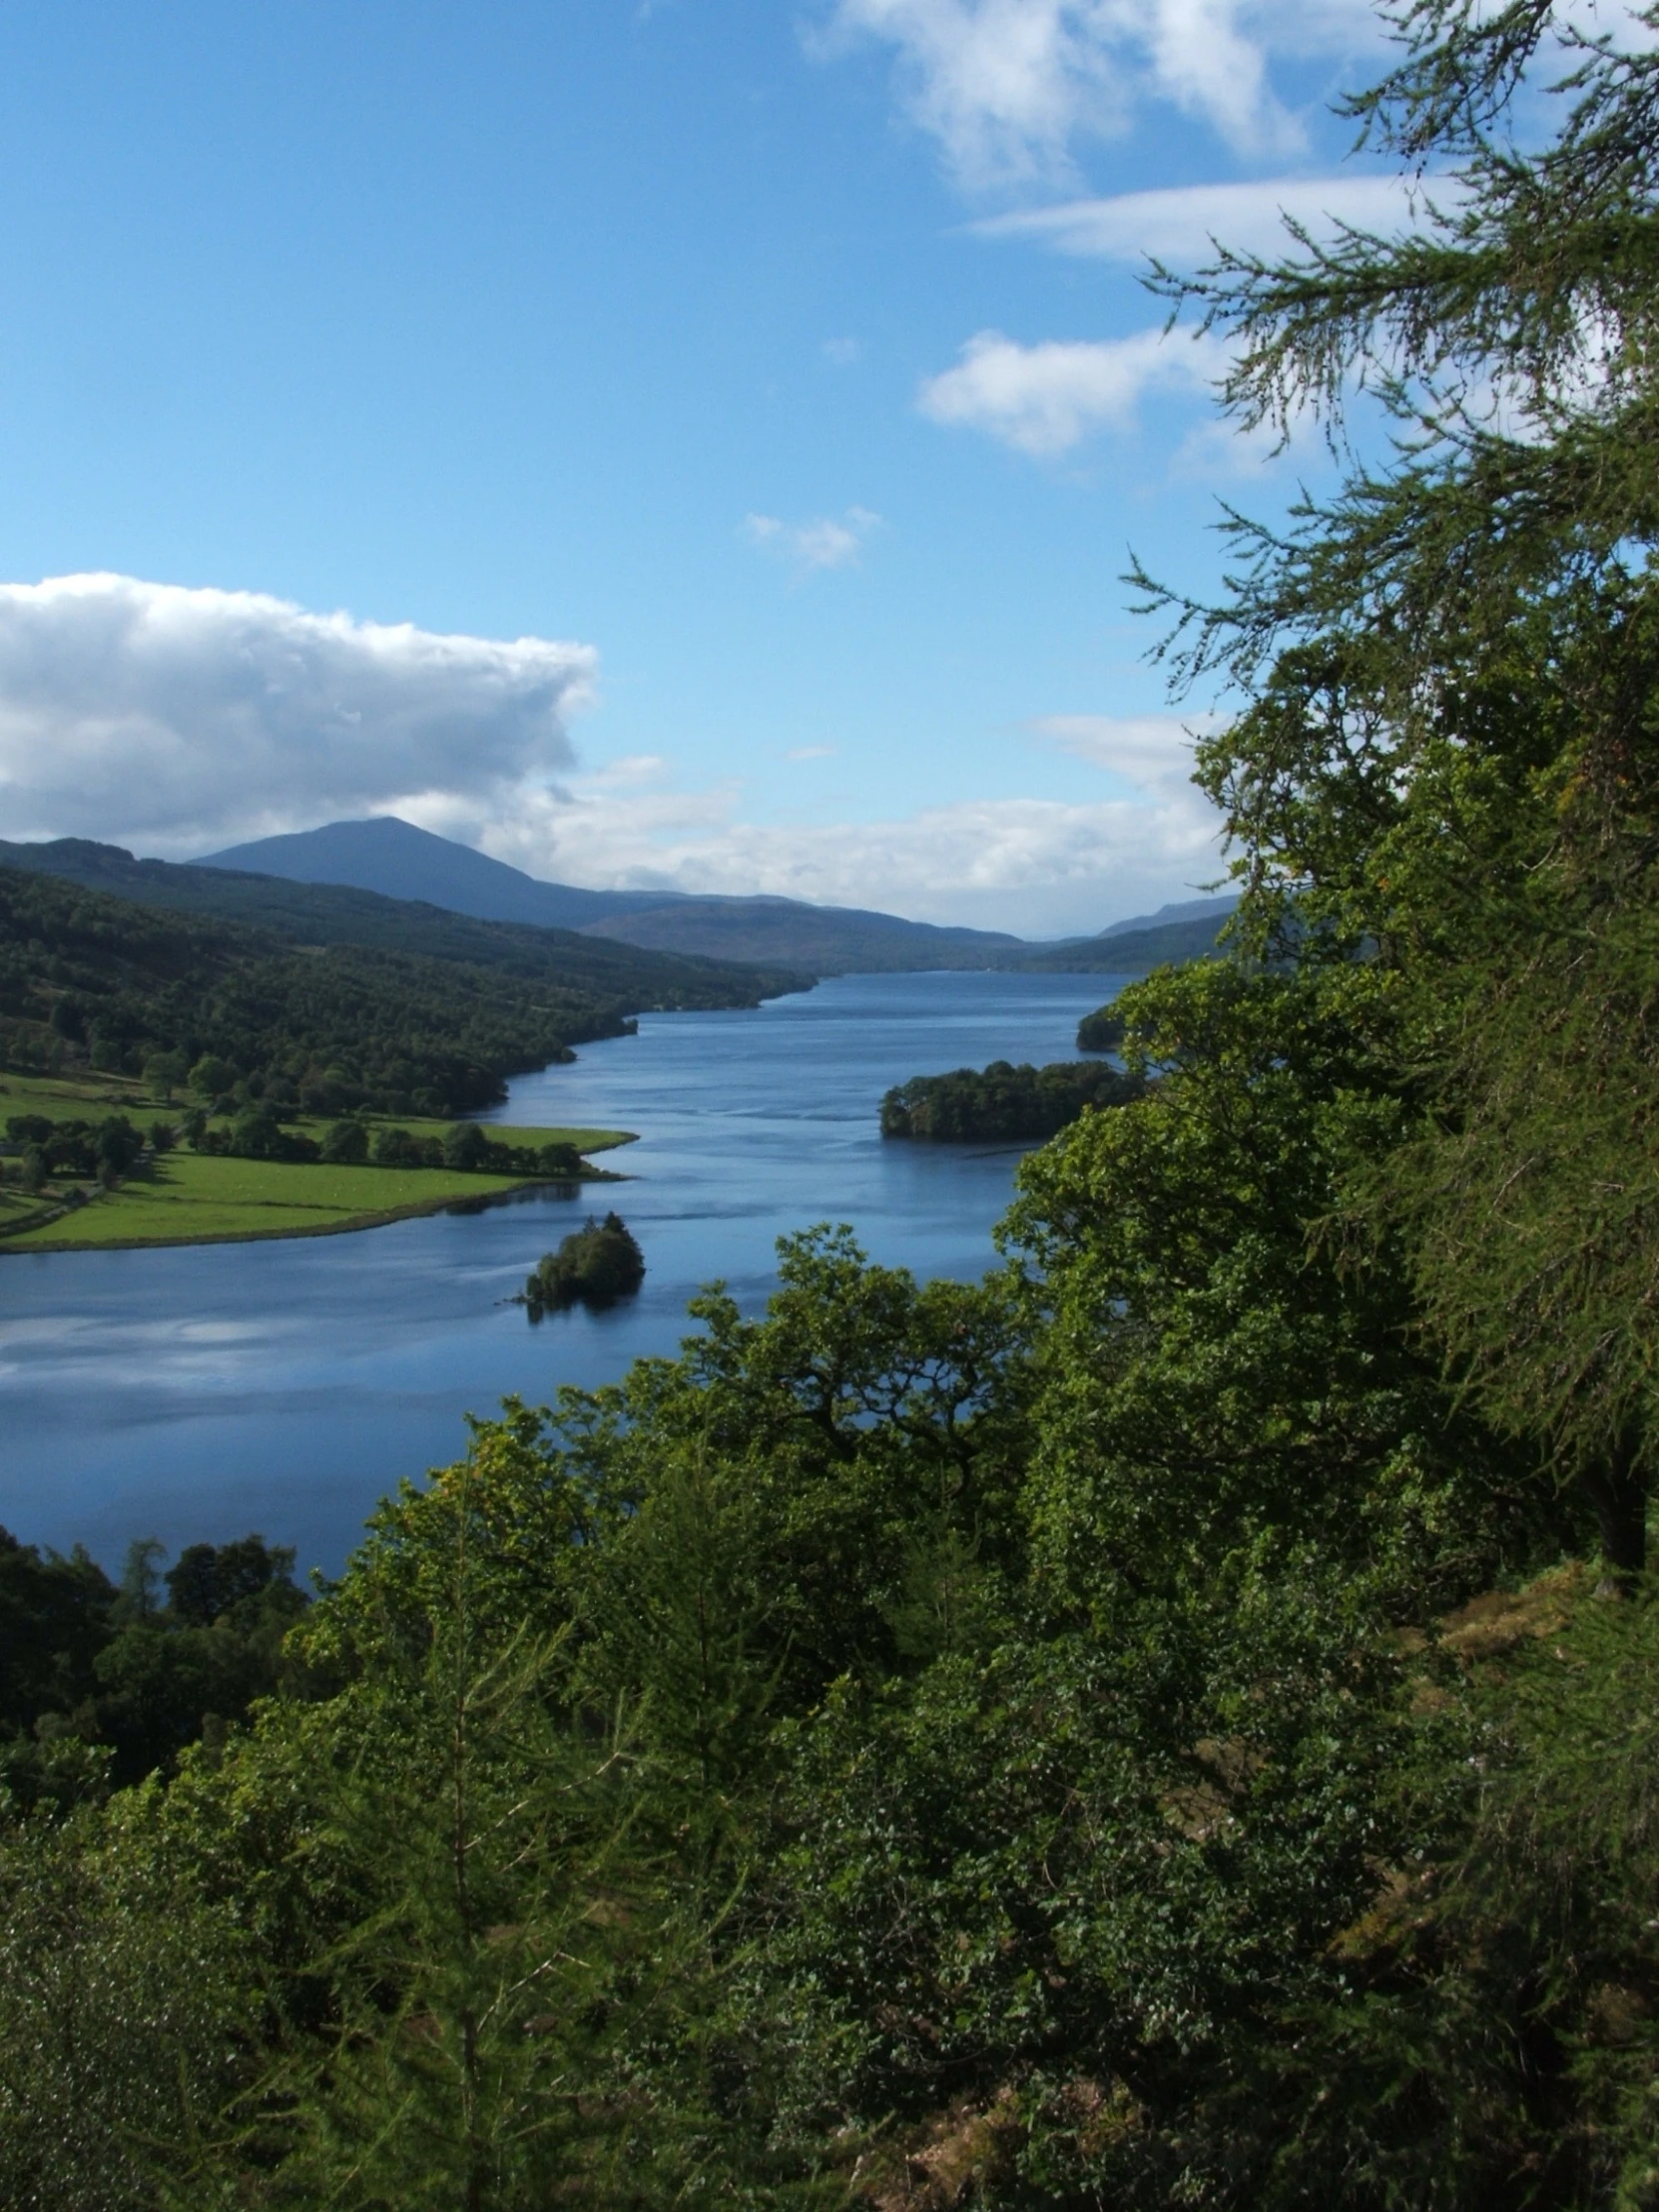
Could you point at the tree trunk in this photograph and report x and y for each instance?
(1618, 1491)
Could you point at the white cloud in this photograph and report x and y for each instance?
(1037, 867)
(1046, 398)
(827, 541)
(1007, 86)
(179, 718)
(811, 752)
(843, 352)
(1179, 225)
(1151, 752)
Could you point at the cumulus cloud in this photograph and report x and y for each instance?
(1007, 86)
(1046, 398)
(178, 718)
(1179, 225)
(1040, 867)
(827, 541)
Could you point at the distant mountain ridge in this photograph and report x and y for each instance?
(1212, 909)
(439, 908)
(340, 914)
(401, 861)
(393, 857)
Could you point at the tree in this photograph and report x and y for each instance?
(1446, 770)
(345, 1144)
(212, 1077)
(465, 1145)
(165, 1073)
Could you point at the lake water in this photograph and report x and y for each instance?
(198, 1393)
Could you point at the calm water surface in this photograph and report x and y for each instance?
(201, 1391)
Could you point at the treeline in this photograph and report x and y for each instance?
(91, 980)
(1002, 1101)
(257, 1134)
(1172, 1723)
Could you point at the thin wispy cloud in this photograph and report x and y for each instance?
(843, 352)
(827, 541)
(1181, 226)
(1047, 398)
(181, 717)
(1009, 86)
(1152, 752)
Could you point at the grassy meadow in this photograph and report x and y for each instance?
(185, 1196)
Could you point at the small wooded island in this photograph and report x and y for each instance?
(594, 1266)
(1002, 1102)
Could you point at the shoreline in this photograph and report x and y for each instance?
(350, 1226)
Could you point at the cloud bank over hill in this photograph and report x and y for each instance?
(181, 717)
(178, 720)
(1037, 867)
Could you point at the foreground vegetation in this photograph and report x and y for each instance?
(1172, 1724)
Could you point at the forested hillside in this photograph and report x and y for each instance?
(333, 913)
(87, 979)
(1176, 1723)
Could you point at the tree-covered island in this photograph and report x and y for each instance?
(1174, 1724)
(1003, 1104)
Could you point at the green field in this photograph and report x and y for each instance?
(186, 1197)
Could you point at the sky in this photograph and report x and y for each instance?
(692, 443)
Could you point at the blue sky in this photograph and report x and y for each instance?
(359, 362)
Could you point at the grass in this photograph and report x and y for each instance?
(186, 1197)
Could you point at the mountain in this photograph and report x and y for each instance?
(401, 861)
(831, 941)
(1215, 911)
(87, 979)
(334, 915)
(1185, 931)
(373, 883)
(395, 858)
